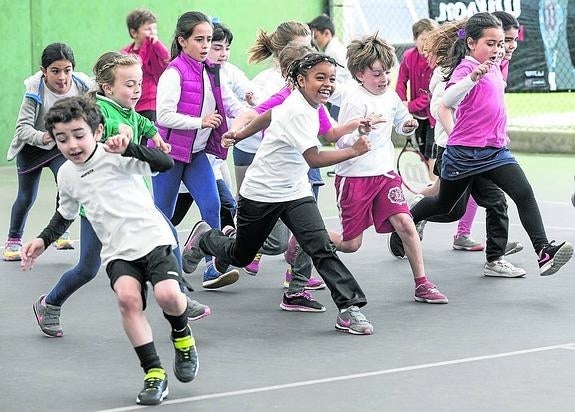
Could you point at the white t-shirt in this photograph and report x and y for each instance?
(437, 90)
(381, 158)
(117, 203)
(279, 170)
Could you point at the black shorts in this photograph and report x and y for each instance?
(160, 264)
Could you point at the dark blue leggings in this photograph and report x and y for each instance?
(27, 191)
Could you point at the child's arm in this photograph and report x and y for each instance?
(321, 158)
(336, 132)
(259, 123)
(33, 249)
(446, 117)
(402, 79)
(158, 160)
(456, 92)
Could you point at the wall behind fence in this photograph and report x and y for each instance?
(93, 27)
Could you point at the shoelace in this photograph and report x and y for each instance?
(356, 315)
(186, 355)
(304, 294)
(151, 383)
(505, 264)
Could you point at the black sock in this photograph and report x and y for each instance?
(148, 356)
(179, 325)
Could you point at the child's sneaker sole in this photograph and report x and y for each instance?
(224, 280)
(563, 255)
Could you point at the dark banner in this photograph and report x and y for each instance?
(545, 56)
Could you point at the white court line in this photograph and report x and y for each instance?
(349, 377)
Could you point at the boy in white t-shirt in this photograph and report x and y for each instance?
(368, 189)
(106, 179)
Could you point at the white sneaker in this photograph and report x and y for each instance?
(502, 269)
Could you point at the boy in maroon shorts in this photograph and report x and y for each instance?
(368, 189)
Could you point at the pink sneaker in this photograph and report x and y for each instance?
(254, 267)
(312, 283)
(289, 254)
(428, 293)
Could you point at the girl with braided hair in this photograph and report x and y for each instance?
(276, 187)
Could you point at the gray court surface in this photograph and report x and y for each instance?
(499, 345)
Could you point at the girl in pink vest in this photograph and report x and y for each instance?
(191, 108)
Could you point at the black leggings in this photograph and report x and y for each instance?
(510, 178)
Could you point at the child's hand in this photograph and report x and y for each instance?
(368, 123)
(30, 252)
(212, 120)
(160, 144)
(117, 144)
(46, 138)
(126, 130)
(362, 145)
(228, 139)
(250, 98)
(409, 126)
(481, 70)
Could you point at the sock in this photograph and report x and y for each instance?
(420, 281)
(148, 356)
(179, 325)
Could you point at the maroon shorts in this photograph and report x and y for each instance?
(366, 201)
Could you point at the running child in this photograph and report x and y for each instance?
(119, 79)
(191, 108)
(107, 179)
(276, 187)
(368, 189)
(477, 142)
(32, 145)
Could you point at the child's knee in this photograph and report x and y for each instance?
(129, 300)
(402, 223)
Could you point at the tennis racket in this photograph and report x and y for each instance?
(412, 167)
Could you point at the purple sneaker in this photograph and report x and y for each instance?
(290, 253)
(192, 254)
(428, 293)
(552, 257)
(312, 283)
(254, 267)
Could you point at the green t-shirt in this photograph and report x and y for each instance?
(114, 115)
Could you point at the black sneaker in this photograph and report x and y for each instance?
(302, 301)
(186, 361)
(155, 388)
(395, 245)
(552, 257)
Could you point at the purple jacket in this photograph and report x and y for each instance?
(191, 100)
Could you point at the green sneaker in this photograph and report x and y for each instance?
(155, 388)
(186, 361)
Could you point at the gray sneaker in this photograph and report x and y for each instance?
(48, 317)
(464, 242)
(196, 310)
(502, 269)
(419, 226)
(513, 247)
(354, 322)
(192, 254)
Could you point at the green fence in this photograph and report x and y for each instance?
(93, 27)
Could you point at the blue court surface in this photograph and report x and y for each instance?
(499, 345)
